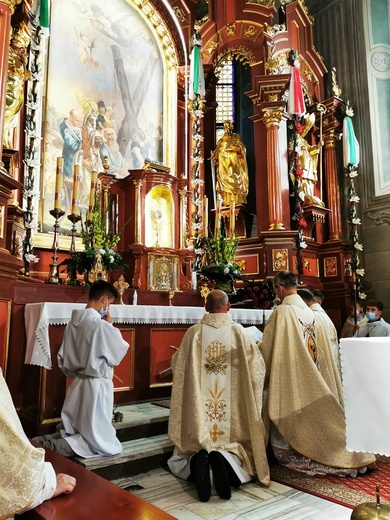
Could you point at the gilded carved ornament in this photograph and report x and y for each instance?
(274, 29)
(331, 139)
(239, 53)
(11, 4)
(231, 29)
(279, 259)
(266, 3)
(336, 90)
(17, 75)
(272, 116)
(275, 63)
(161, 30)
(181, 17)
(250, 31)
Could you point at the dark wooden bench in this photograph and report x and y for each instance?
(92, 498)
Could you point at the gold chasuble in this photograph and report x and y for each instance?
(217, 393)
(22, 474)
(302, 394)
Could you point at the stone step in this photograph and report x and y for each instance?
(142, 420)
(138, 456)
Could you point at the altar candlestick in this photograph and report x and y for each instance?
(76, 190)
(58, 188)
(218, 216)
(232, 218)
(205, 217)
(94, 176)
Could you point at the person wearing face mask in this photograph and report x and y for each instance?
(354, 322)
(376, 326)
(90, 349)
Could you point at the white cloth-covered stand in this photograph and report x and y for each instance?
(365, 364)
(38, 317)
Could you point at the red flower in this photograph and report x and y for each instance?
(267, 304)
(261, 296)
(302, 223)
(255, 288)
(299, 173)
(265, 291)
(298, 128)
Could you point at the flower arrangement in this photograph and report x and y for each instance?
(256, 295)
(219, 264)
(351, 161)
(97, 241)
(298, 195)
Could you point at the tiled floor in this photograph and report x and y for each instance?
(250, 502)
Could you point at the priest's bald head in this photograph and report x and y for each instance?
(217, 302)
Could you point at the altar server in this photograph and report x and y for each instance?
(90, 349)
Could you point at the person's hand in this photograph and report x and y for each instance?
(107, 317)
(65, 484)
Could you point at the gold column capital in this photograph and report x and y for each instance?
(330, 139)
(138, 183)
(11, 4)
(272, 116)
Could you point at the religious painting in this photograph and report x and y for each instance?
(105, 97)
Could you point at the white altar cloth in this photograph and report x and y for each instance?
(38, 317)
(365, 364)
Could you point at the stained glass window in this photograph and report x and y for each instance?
(224, 95)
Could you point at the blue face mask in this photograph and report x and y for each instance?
(103, 312)
(371, 316)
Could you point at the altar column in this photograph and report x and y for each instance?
(272, 118)
(332, 187)
(332, 129)
(7, 8)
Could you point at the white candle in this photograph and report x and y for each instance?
(205, 217)
(94, 177)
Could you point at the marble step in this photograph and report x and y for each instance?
(138, 456)
(141, 420)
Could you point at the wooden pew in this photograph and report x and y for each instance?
(93, 498)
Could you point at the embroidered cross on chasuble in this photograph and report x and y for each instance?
(216, 383)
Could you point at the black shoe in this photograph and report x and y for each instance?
(220, 474)
(202, 476)
(234, 480)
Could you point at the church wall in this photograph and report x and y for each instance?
(339, 31)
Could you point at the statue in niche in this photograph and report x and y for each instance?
(307, 162)
(232, 169)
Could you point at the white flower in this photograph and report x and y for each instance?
(303, 245)
(31, 225)
(198, 159)
(110, 251)
(198, 113)
(356, 221)
(362, 296)
(302, 195)
(31, 258)
(355, 198)
(198, 137)
(353, 174)
(102, 251)
(111, 259)
(226, 270)
(197, 225)
(360, 272)
(358, 246)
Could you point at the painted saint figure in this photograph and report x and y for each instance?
(232, 169)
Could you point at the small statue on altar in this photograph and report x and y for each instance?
(232, 169)
(307, 163)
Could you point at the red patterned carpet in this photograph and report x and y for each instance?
(345, 491)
